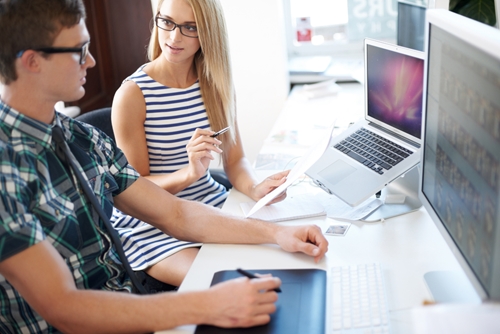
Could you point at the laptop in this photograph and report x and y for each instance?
(378, 149)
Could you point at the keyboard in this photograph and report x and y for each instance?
(372, 150)
(359, 303)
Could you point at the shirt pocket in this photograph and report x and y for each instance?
(103, 186)
(59, 222)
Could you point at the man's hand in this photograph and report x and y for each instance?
(306, 239)
(241, 302)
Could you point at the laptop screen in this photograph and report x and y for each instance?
(394, 82)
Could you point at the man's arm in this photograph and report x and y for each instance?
(194, 221)
(43, 279)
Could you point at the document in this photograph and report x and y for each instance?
(457, 318)
(298, 170)
(293, 207)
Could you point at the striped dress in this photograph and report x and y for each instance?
(172, 115)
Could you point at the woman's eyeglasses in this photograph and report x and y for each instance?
(187, 30)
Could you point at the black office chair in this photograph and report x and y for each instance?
(101, 119)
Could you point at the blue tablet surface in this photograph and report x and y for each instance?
(300, 307)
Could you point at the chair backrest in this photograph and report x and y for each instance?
(100, 118)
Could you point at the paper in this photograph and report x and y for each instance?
(338, 230)
(457, 318)
(298, 170)
(337, 209)
(295, 207)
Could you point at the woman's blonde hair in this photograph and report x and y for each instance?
(212, 63)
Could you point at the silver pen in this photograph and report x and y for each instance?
(220, 132)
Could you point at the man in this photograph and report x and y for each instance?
(58, 268)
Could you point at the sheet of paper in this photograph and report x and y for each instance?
(337, 209)
(293, 207)
(457, 318)
(298, 170)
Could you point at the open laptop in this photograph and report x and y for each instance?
(386, 143)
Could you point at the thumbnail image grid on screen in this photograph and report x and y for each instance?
(461, 164)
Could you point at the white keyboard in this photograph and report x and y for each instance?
(359, 303)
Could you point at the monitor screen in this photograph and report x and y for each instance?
(411, 25)
(460, 182)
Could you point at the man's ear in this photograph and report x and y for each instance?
(30, 61)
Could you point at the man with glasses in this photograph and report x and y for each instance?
(57, 263)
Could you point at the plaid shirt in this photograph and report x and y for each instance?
(40, 202)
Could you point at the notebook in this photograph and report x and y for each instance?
(351, 168)
(301, 305)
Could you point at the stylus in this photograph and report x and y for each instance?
(250, 275)
(220, 132)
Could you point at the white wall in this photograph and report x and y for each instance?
(259, 60)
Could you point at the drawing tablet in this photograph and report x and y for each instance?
(300, 307)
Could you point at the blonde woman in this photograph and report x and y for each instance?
(164, 116)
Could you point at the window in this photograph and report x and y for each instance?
(326, 27)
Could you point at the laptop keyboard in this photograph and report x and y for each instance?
(359, 303)
(372, 150)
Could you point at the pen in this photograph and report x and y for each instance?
(250, 275)
(220, 132)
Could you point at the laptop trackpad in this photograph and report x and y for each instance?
(337, 171)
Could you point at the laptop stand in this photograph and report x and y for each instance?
(400, 197)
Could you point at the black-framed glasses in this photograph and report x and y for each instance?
(187, 30)
(83, 51)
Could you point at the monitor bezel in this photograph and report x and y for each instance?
(497, 13)
(484, 38)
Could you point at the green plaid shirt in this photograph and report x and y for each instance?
(40, 202)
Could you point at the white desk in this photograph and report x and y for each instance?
(304, 121)
(407, 246)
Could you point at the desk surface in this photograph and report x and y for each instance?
(407, 246)
(304, 121)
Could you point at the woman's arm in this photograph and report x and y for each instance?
(242, 176)
(128, 117)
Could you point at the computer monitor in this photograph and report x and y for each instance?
(460, 177)
(411, 21)
(411, 25)
(497, 12)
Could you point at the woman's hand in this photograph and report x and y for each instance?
(269, 184)
(199, 149)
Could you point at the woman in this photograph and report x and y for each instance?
(163, 116)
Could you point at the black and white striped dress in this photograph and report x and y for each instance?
(172, 115)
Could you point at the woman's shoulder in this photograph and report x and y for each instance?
(139, 75)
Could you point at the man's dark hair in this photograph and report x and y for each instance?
(31, 24)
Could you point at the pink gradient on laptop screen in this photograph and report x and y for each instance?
(395, 87)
